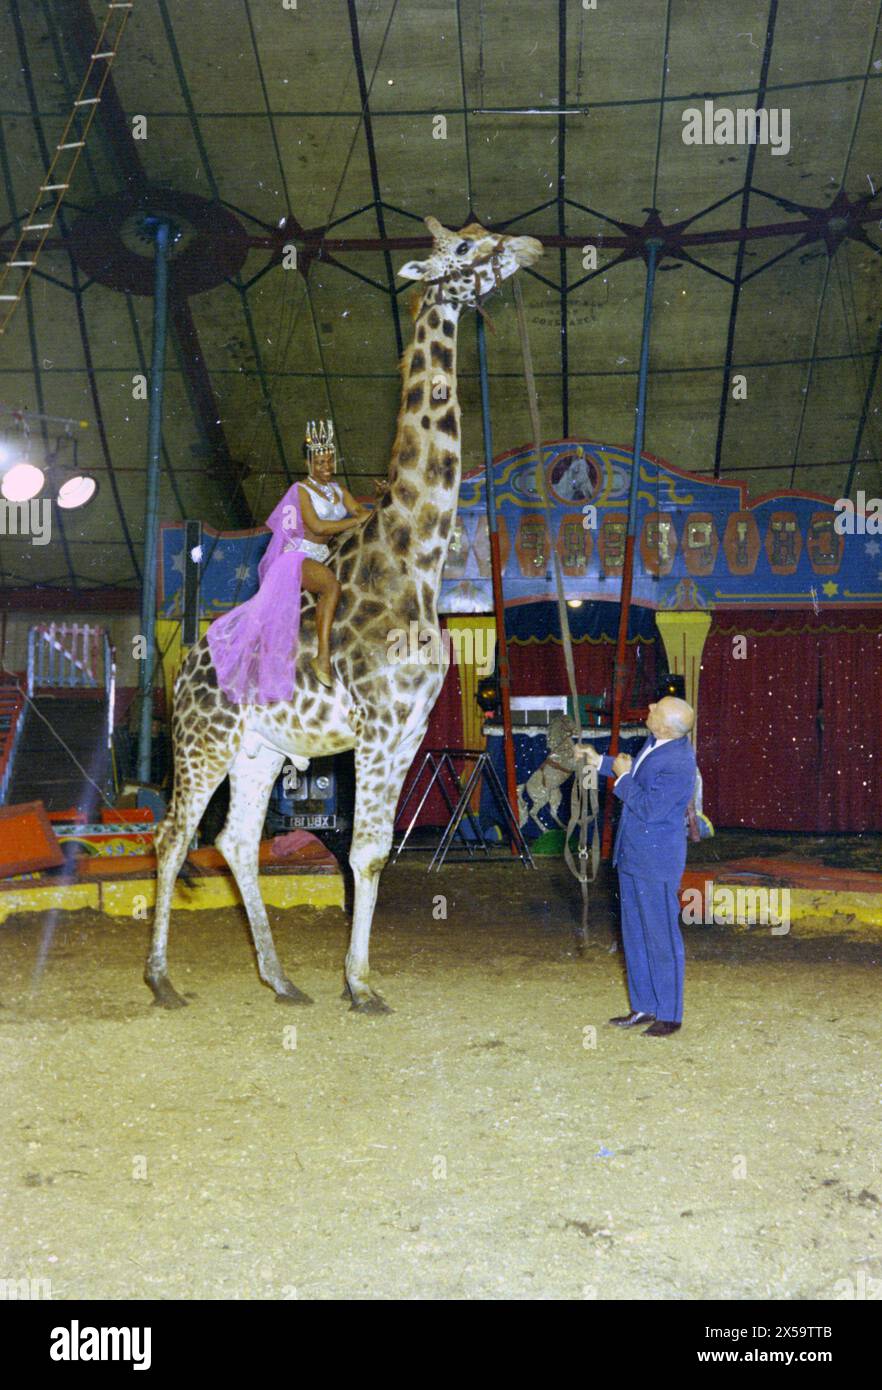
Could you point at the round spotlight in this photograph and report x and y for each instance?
(22, 482)
(76, 492)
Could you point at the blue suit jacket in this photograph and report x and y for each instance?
(651, 837)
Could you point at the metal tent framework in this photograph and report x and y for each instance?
(288, 221)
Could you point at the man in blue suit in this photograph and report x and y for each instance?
(655, 789)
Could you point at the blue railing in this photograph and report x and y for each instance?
(73, 656)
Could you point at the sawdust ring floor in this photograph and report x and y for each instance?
(481, 1141)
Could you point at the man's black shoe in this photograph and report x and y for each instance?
(661, 1029)
(632, 1020)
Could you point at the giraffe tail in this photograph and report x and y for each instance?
(188, 876)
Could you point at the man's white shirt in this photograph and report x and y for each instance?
(644, 753)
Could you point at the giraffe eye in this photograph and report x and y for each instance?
(462, 248)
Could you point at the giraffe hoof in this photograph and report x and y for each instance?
(290, 994)
(372, 1004)
(165, 996)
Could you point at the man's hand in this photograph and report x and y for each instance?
(622, 764)
(588, 753)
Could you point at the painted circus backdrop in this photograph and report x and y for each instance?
(710, 567)
(700, 544)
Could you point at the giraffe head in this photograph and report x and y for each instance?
(469, 264)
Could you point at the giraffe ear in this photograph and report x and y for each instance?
(415, 270)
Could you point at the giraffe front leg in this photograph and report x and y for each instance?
(172, 839)
(251, 781)
(367, 859)
(379, 773)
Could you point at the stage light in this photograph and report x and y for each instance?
(671, 685)
(574, 603)
(76, 492)
(488, 697)
(22, 482)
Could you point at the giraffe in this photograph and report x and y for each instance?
(389, 571)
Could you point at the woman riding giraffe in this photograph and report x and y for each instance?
(254, 647)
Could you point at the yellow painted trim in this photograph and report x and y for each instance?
(302, 890)
(168, 642)
(466, 625)
(722, 629)
(684, 636)
(64, 897)
(585, 641)
(131, 897)
(807, 905)
(866, 908)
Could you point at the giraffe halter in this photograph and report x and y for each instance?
(491, 257)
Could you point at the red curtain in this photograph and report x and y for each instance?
(850, 789)
(536, 669)
(540, 669)
(790, 735)
(444, 731)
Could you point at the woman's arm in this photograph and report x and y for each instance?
(315, 524)
(355, 508)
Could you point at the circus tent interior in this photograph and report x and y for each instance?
(580, 303)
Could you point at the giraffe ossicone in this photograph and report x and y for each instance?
(390, 572)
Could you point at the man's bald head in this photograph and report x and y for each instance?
(670, 718)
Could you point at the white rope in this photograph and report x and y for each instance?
(579, 804)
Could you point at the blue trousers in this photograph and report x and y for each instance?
(654, 955)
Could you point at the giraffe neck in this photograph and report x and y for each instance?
(418, 512)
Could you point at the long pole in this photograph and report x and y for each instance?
(151, 520)
(502, 666)
(620, 669)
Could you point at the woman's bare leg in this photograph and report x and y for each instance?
(319, 580)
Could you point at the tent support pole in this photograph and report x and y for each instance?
(502, 666)
(151, 520)
(653, 246)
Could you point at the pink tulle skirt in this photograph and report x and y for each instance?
(254, 647)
